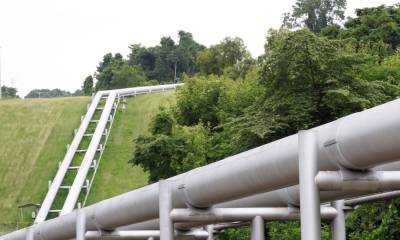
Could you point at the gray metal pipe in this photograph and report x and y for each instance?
(358, 180)
(80, 224)
(214, 215)
(372, 198)
(210, 230)
(338, 224)
(310, 215)
(58, 179)
(143, 234)
(358, 141)
(257, 228)
(165, 206)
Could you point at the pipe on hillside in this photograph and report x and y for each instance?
(58, 179)
(80, 178)
(358, 141)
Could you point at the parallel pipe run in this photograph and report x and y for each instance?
(215, 215)
(372, 198)
(80, 178)
(358, 141)
(65, 164)
(345, 180)
(143, 234)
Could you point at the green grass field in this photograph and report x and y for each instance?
(33, 138)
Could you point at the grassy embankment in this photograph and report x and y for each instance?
(33, 138)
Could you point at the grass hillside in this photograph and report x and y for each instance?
(33, 138)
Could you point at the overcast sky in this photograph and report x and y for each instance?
(57, 43)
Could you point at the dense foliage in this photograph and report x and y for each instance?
(315, 14)
(87, 87)
(47, 93)
(8, 92)
(304, 79)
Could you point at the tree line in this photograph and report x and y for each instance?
(314, 70)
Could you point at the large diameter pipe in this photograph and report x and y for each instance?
(373, 136)
(80, 178)
(58, 179)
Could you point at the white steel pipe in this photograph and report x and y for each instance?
(80, 224)
(80, 178)
(310, 215)
(58, 179)
(165, 206)
(372, 198)
(143, 234)
(210, 230)
(358, 180)
(257, 228)
(358, 141)
(214, 215)
(338, 224)
(122, 234)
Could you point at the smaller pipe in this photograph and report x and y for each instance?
(338, 224)
(257, 228)
(310, 217)
(165, 206)
(142, 234)
(346, 180)
(372, 198)
(123, 234)
(243, 214)
(210, 230)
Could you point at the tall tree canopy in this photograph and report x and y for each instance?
(87, 87)
(229, 56)
(315, 14)
(8, 92)
(377, 28)
(168, 61)
(104, 73)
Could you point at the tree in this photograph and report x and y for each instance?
(104, 73)
(170, 149)
(377, 29)
(315, 14)
(127, 76)
(143, 57)
(47, 93)
(168, 61)
(309, 81)
(230, 56)
(87, 87)
(8, 92)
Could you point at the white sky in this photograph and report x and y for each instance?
(57, 43)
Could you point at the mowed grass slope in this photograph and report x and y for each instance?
(33, 138)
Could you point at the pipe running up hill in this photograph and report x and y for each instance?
(358, 141)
